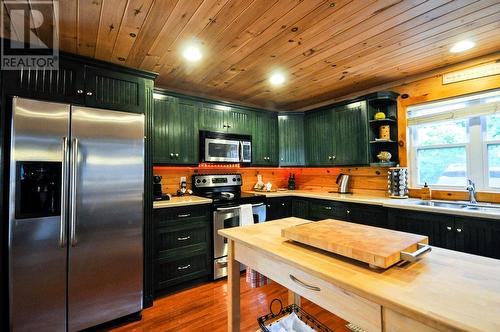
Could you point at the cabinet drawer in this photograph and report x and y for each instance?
(394, 322)
(320, 210)
(166, 216)
(171, 272)
(181, 235)
(342, 303)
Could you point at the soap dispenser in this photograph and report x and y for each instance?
(425, 192)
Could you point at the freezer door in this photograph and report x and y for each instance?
(37, 232)
(105, 276)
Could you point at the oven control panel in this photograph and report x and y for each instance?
(216, 180)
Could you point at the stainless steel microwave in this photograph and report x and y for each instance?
(225, 148)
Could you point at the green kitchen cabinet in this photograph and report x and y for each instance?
(319, 138)
(225, 119)
(211, 118)
(291, 140)
(239, 121)
(175, 131)
(338, 136)
(350, 131)
(265, 139)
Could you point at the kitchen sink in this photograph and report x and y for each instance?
(460, 205)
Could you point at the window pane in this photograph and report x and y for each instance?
(442, 133)
(493, 127)
(494, 165)
(442, 166)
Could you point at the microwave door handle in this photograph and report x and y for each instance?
(241, 151)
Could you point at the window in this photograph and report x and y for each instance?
(454, 140)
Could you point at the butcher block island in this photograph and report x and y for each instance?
(378, 247)
(444, 291)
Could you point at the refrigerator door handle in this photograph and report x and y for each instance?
(74, 163)
(64, 192)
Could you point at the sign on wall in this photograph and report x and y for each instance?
(488, 69)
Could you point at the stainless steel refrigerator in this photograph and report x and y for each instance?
(75, 216)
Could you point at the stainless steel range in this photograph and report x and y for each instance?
(225, 191)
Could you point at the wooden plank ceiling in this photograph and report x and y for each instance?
(327, 48)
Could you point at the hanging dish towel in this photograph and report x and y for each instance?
(253, 277)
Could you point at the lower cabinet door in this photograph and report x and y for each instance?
(278, 208)
(371, 215)
(300, 208)
(170, 272)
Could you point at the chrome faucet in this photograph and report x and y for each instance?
(471, 188)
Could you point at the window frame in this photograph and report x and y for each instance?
(476, 148)
(486, 143)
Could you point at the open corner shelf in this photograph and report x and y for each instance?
(383, 121)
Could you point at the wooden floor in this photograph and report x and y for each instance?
(204, 308)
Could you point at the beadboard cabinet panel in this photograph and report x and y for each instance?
(211, 119)
(265, 140)
(62, 85)
(113, 90)
(291, 140)
(351, 133)
(319, 138)
(176, 131)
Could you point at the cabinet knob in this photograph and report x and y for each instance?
(224, 126)
(268, 205)
(328, 207)
(79, 91)
(176, 155)
(229, 126)
(171, 155)
(330, 158)
(448, 228)
(333, 157)
(282, 204)
(459, 230)
(89, 93)
(348, 212)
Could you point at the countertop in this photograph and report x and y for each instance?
(382, 201)
(448, 289)
(181, 201)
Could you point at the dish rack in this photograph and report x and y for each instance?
(273, 318)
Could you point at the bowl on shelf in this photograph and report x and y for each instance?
(384, 156)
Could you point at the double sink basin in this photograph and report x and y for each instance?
(460, 205)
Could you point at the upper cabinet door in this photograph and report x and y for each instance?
(175, 131)
(114, 90)
(291, 140)
(211, 119)
(320, 142)
(350, 124)
(183, 127)
(161, 119)
(265, 139)
(63, 85)
(238, 121)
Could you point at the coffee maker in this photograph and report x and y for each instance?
(157, 193)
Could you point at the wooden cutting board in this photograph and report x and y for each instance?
(378, 247)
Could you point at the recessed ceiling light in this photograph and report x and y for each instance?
(462, 46)
(277, 79)
(192, 51)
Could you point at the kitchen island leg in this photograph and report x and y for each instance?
(233, 284)
(293, 298)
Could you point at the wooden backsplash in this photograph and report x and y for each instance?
(364, 180)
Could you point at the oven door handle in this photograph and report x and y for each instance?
(237, 207)
(228, 208)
